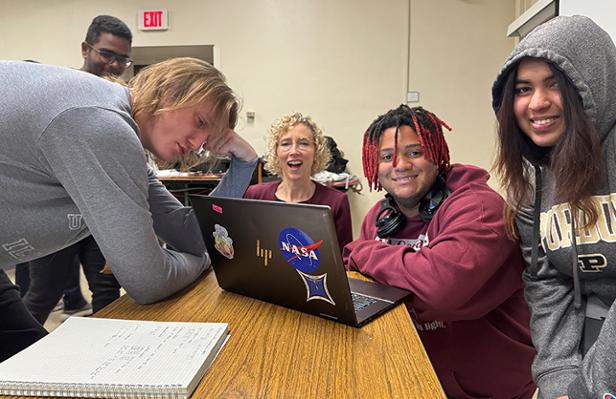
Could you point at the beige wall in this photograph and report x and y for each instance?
(343, 61)
(455, 56)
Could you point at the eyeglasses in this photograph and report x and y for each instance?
(302, 144)
(109, 57)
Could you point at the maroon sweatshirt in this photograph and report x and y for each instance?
(465, 276)
(337, 201)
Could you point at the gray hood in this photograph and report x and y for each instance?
(584, 53)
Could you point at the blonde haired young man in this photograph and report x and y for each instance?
(72, 164)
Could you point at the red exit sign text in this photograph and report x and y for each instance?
(153, 19)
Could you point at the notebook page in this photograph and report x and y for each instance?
(107, 351)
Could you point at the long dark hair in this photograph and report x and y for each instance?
(575, 160)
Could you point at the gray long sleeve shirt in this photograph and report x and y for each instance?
(72, 164)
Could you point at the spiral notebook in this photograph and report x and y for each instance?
(107, 358)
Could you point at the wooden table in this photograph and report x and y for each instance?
(274, 352)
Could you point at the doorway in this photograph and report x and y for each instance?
(143, 56)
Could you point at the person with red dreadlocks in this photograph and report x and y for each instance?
(439, 233)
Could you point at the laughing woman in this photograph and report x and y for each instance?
(296, 150)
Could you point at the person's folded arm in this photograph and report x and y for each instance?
(235, 182)
(243, 162)
(174, 223)
(468, 268)
(98, 159)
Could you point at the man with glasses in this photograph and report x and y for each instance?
(105, 52)
(106, 49)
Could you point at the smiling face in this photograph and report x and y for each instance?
(537, 104)
(412, 176)
(295, 152)
(108, 44)
(172, 134)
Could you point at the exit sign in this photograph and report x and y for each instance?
(153, 19)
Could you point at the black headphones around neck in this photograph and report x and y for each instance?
(390, 219)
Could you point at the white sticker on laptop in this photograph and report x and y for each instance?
(222, 242)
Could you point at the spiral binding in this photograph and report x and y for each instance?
(111, 391)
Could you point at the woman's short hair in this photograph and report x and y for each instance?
(182, 82)
(280, 127)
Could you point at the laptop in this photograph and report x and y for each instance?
(287, 254)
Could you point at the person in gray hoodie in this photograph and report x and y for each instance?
(72, 163)
(555, 101)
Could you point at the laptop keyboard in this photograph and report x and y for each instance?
(361, 301)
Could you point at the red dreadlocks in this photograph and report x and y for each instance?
(427, 126)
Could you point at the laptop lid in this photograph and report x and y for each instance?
(283, 253)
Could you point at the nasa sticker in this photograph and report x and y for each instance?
(608, 396)
(222, 242)
(301, 252)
